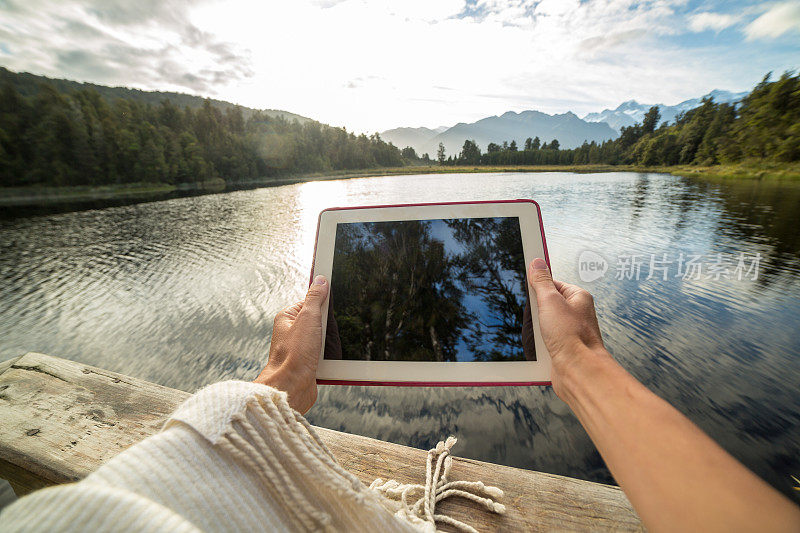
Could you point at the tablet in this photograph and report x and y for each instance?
(431, 294)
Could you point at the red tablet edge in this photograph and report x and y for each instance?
(433, 383)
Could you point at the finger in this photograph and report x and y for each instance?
(287, 315)
(293, 310)
(566, 289)
(540, 280)
(316, 295)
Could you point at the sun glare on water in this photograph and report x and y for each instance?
(313, 197)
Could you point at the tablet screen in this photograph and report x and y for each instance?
(429, 290)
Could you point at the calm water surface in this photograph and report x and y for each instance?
(183, 292)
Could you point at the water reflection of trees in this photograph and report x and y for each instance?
(761, 216)
(399, 292)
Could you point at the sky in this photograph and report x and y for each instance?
(378, 64)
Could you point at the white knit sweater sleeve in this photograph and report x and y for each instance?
(233, 457)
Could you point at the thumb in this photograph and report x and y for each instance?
(316, 295)
(541, 280)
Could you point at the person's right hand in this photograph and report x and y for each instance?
(567, 320)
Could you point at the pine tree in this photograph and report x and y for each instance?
(440, 154)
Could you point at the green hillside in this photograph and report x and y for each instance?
(28, 84)
(57, 133)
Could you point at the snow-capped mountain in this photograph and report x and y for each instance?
(630, 112)
(570, 130)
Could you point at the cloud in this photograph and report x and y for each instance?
(779, 19)
(126, 13)
(361, 81)
(602, 42)
(708, 20)
(375, 64)
(149, 44)
(84, 64)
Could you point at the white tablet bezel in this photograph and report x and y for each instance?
(431, 373)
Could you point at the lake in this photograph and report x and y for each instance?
(700, 300)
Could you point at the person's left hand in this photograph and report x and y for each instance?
(294, 350)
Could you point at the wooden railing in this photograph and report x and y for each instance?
(59, 420)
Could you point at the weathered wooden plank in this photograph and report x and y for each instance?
(21, 480)
(5, 364)
(61, 420)
(535, 501)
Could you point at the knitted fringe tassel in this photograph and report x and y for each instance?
(422, 512)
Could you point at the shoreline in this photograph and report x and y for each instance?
(18, 200)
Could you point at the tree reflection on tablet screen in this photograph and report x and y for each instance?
(429, 290)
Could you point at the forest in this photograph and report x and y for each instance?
(457, 293)
(62, 133)
(764, 126)
(56, 136)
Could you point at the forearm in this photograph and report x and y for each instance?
(676, 477)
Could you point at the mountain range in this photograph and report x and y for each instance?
(570, 131)
(568, 128)
(416, 137)
(631, 112)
